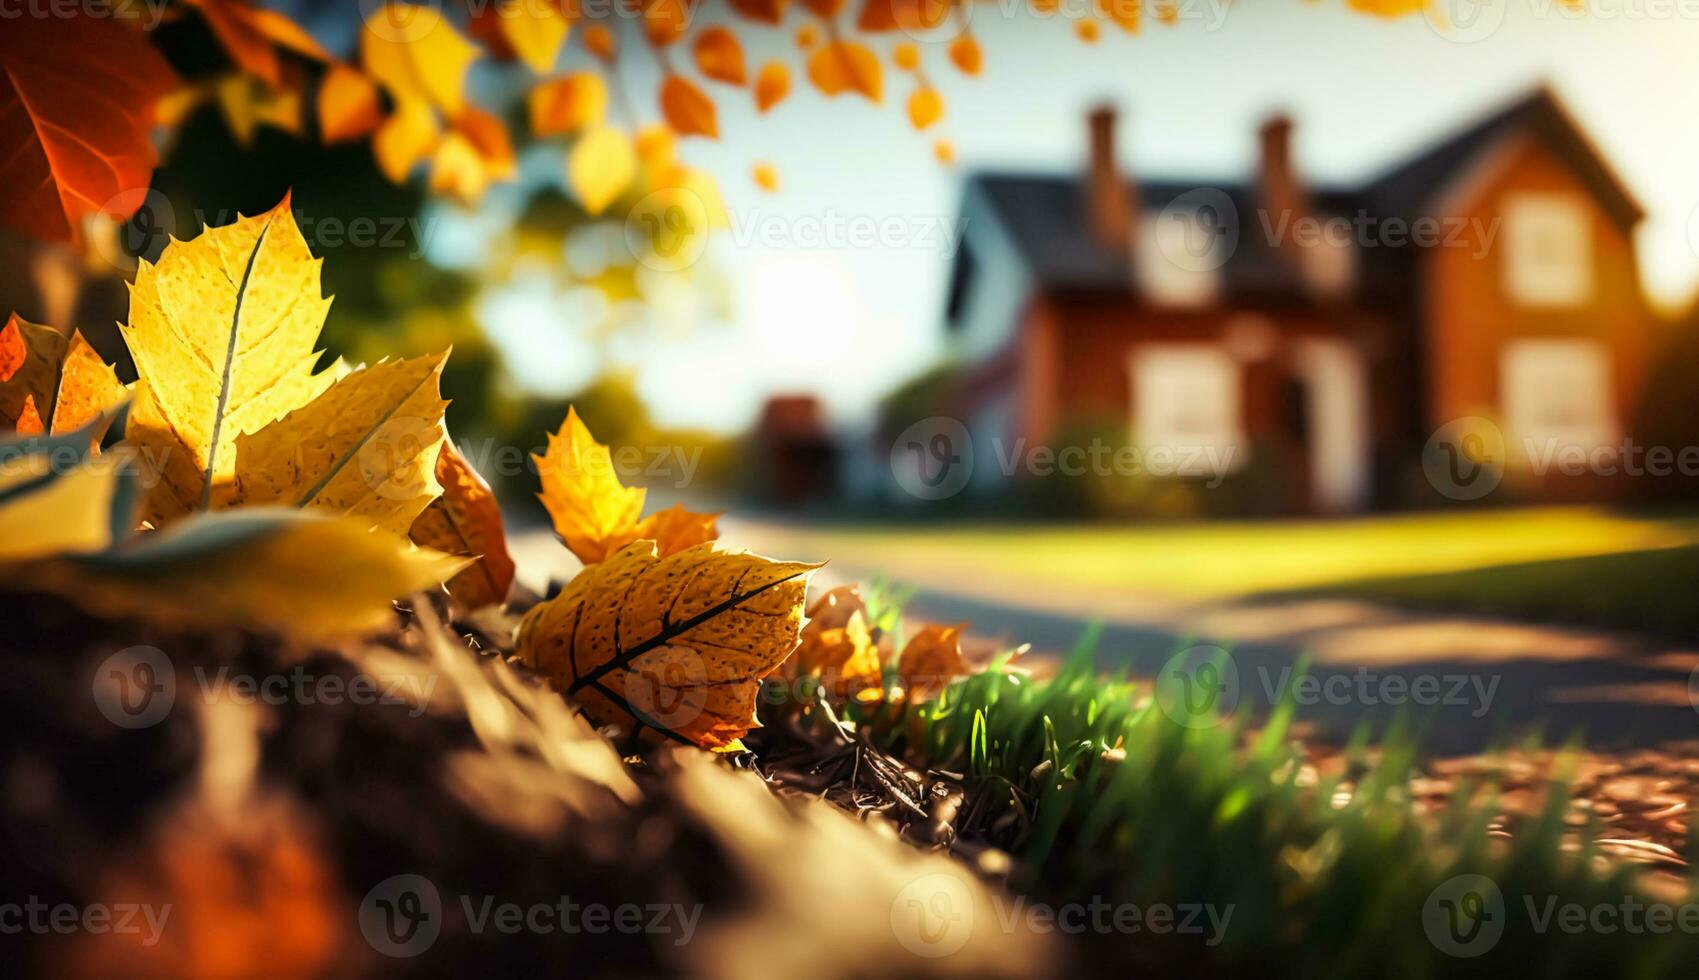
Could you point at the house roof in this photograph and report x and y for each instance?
(1043, 213)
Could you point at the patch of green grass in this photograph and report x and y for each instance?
(1102, 796)
(1641, 590)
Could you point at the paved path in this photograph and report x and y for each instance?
(1469, 680)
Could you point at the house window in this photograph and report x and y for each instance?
(1548, 250)
(1177, 260)
(1187, 409)
(1557, 394)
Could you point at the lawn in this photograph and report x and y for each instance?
(1592, 564)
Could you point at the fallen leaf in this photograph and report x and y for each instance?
(223, 331)
(846, 66)
(568, 103)
(676, 645)
(594, 514)
(466, 522)
(925, 107)
(772, 85)
(844, 658)
(600, 167)
(719, 56)
(675, 529)
(77, 102)
(418, 54)
(56, 498)
(409, 135)
(366, 447)
(600, 42)
(966, 54)
(348, 105)
(930, 660)
(257, 568)
(764, 11)
(687, 109)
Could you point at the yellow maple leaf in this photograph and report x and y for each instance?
(675, 647)
(366, 447)
(594, 514)
(600, 167)
(223, 330)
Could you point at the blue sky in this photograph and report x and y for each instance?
(810, 306)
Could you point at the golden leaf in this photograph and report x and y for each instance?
(766, 177)
(535, 30)
(223, 330)
(656, 146)
(594, 514)
(764, 11)
(687, 109)
(925, 107)
(366, 447)
(29, 420)
(568, 103)
(348, 105)
(906, 55)
(488, 135)
(31, 357)
(966, 54)
(67, 513)
(1127, 13)
(600, 42)
(675, 529)
(466, 521)
(406, 137)
(676, 645)
(846, 66)
(772, 85)
(1387, 8)
(258, 568)
(418, 54)
(476, 152)
(719, 56)
(1087, 31)
(844, 658)
(600, 167)
(246, 104)
(930, 660)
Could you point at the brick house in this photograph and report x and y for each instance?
(1319, 334)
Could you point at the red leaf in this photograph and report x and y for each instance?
(77, 98)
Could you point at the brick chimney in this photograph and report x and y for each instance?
(1110, 198)
(1279, 190)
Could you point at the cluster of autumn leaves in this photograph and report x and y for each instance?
(246, 478)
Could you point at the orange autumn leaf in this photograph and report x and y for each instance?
(966, 54)
(909, 15)
(672, 648)
(50, 383)
(772, 85)
(930, 660)
(1125, 13)
(406, 137)
(925, 107)
(665, 21)
(719, 56)
(807, 36)
(846, 66)
(1087, 31)
(600, 42)
(688, 109)
(766, 177)
(906, 56)
(764, 11)
(824, 8)
(348, 105)
(945, 151)
(251, 36)
(568, 103)
(466, 520)
(488, 135)
(77, 102)
(676, 529)
(594, 514)
(844, 658)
